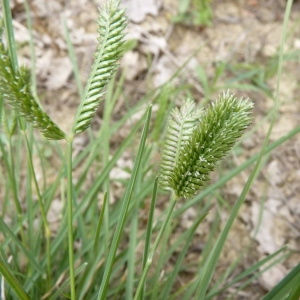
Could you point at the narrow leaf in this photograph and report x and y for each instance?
(12, 281)
(123, 213)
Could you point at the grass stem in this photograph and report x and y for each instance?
(70, 215)
(43, 212)
(154, 248)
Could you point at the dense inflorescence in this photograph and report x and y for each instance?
(111, 25)
(221, 125)
(180, 126)
(15, 89)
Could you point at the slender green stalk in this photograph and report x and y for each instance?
(133, 239)
(32, 52)
(13, 55)
(160, 261)
(285, 286)
(30, 211)
(12, 235)
(13, 282)
(123, 213)
(254, 269)
(105, 138)
(70, 214)
(14, 182)
(155, 245)
(43, 212)
(99, 226)
(11, 45)
(175, 272)
(149, 231)
(57, 294)
(210, 264)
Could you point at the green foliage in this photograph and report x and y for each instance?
(112, 23)
(103, 266)
(187, 171)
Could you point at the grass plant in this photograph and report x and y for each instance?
(88, 255)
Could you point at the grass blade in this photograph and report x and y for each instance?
(12, 281)
(247, 272)
(122, 217)
(5, 228)
(281, 290)
(149, 230)
(179, 260)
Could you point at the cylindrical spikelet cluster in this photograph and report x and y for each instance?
(220, 126)
(180, 126)
(111, 25)
(15, 89)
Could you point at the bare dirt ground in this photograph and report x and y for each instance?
(244, 32)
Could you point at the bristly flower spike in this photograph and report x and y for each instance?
(222, 123)
(180, 126)
(111, 25)
(15, 88)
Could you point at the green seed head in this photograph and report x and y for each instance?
(180, 126)
(222, 123)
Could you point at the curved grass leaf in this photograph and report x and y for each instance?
(287, 286)
(123, 212)
(112, 23)
(13, 281)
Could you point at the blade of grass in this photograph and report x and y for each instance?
(133, 239)
(99, 226)
(105, 142)
(254, 277)
(13, 236)
(91, 194)
(295, 293)
(235, 263)
(42, 209)
(11, 45)
(149, 231)
(12, 281)
(70, 215)
(12, 180)
(122, 218)
(95, 250)
(57, 294)
(179, 260)
(281, 290)
(209, 267)
(154, 247)
(246, 273)
(161, 261)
